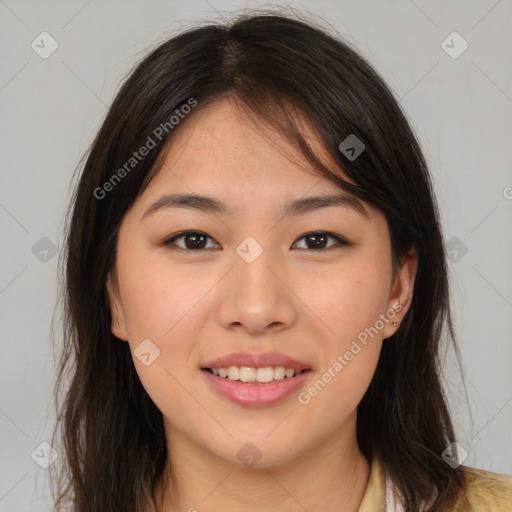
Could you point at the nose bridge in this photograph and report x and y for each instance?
(250, 250)
(252, 265)
(253, 297)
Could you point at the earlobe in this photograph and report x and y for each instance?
(402, 291)
(118, 326)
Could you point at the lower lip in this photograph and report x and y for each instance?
(256, 395)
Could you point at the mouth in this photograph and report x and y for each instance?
(248, 375)
(256, 387)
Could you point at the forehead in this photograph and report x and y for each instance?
(221, 155)
(222, 144)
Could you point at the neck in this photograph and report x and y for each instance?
(329, 477)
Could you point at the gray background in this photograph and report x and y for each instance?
(50, 109)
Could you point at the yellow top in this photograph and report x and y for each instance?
(486, 492)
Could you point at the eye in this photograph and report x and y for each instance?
(319, 239)
(196, 240)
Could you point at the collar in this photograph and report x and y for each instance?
(374, 499)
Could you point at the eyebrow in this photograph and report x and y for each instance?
(292, 208)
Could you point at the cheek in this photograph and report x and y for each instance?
(347, 299)
(350, 304)
(162, 305)
(159, 295)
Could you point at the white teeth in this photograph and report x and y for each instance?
(265, 374)
(289, 372)
(261, 375)
(279, 372)
(246, 374)
(233, 373)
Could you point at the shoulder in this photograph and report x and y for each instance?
(486, 492)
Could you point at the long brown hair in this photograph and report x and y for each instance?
(112, 433)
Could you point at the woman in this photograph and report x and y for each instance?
(256, 288)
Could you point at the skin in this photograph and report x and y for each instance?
(197, 306)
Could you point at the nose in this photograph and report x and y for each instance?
(257, 297)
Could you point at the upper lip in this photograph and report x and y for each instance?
(255, 360)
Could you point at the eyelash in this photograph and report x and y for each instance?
(169, 242)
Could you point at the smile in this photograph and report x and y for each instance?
(242, 385)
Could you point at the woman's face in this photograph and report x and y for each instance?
(257, 280)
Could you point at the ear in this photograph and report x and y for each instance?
(118, 325)
(401, 294)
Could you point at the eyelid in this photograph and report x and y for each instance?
(339, 239)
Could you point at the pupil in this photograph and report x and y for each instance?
(320, 237)
(194, 237)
